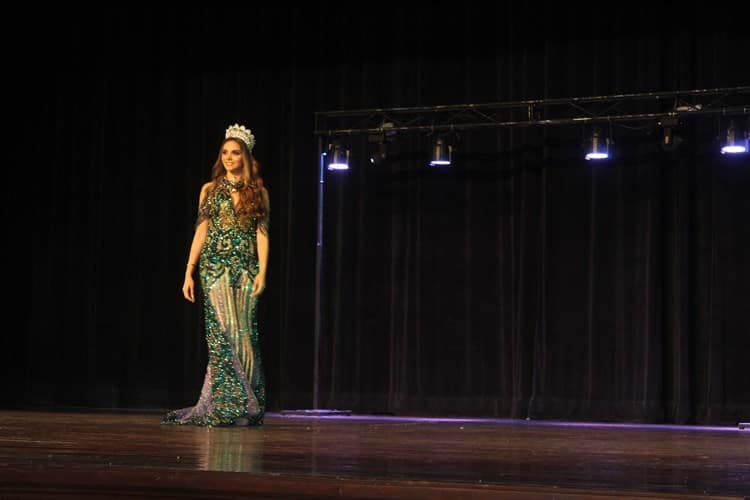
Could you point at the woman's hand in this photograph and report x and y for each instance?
(259, 284)
(188, 288)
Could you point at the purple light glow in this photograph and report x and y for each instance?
(502, 421)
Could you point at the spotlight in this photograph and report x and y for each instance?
(379, 143)
(670, 140)
(599, 149)
(735, 142)
(379, 154)
(339, 157)
(441, 153)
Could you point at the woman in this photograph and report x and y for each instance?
(230, 251)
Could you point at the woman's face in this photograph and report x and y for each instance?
(231, 156)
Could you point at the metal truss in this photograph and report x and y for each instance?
(643, 107)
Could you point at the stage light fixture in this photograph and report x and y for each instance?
(442, 153)
(670, 139)
(598, 146)
(339, 157)
(736, 141)
(378, 143)
(378, 153)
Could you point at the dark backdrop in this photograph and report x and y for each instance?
(523, 282)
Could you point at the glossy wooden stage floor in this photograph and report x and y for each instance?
(49, 454)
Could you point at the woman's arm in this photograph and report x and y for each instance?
(261, 236)
(199, 239)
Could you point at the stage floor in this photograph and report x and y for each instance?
(105, 454)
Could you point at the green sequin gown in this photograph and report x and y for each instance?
(234, 385)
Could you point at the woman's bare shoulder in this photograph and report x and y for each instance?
(205, 190)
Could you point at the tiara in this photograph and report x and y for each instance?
(238, 131)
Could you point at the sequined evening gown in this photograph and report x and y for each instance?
(234, 385)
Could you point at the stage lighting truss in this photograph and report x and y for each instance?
(651, 107)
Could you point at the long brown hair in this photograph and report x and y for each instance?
(251, 198)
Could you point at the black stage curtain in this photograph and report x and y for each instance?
(522, 282)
